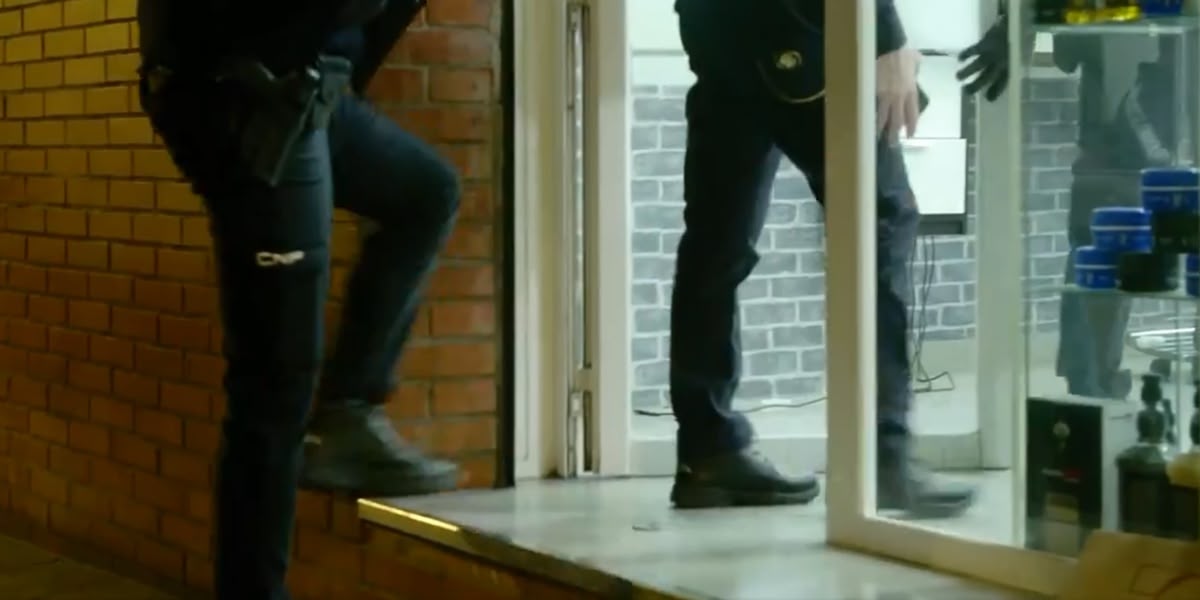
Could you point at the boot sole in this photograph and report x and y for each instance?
(381, 482)
(699, 496)
(930, 510)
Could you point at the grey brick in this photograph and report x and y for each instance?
(658, 164)
(644, 348)
(798, 336)
(650, 374)
(645, 294)
(658, 110)
(644, 137)
(646, 242)
(651, 320)
(660, 217)
(645, 190)
(674, 137)
(771, 363)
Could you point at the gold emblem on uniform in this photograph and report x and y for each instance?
(788, 60)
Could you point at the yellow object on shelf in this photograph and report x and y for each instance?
(1118, 10)
(1079, 12)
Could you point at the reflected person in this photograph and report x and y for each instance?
(759, 97)
(259, 105)
(1127, 121)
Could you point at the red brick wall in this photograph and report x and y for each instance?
(109, 403)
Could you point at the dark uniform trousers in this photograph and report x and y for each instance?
(738, 132)
(1092, 335)
(272, 247)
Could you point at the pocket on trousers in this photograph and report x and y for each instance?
(273, 303)
(790, 55)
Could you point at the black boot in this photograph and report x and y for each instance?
(920, 494)
(354, 449)
(744, 478)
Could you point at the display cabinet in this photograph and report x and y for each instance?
(1108, 196)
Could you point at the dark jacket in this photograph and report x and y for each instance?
(197, 35)
(889, 32)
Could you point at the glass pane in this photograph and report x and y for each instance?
(1107, 192)
(1108, 414)
(929, 441)
(768, 251)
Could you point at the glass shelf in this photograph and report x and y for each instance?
(1145, 27)
(1178, 295)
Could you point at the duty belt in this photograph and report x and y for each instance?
(280, 108)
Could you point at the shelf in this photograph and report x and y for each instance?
(1178, 295)
(1150, 26)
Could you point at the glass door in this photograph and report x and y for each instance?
(1091, 378)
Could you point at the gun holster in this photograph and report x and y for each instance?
(282, 109)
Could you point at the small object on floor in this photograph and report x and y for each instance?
(354, 449)
(648, 526)
(744, 478)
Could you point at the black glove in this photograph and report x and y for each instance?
(987, 63)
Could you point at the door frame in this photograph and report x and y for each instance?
(608, 197)
(852, 520)
(542, 186)
(538, 94)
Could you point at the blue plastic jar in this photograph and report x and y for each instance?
(1171, 190)
(1095, 269)
(1121, 229)
(1162, 8)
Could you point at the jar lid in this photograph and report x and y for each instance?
(1091, 256)
(1120, 216)
(1171, 177)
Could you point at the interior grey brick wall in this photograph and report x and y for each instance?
(783, 301)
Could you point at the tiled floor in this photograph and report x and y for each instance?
(625, 528)
(30, 573)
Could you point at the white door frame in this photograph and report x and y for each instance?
(607, 192)
(999, 249)
(851, 322)
(540, 161)
(543, 181)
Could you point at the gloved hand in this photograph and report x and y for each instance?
(898, 103)
(987, 63)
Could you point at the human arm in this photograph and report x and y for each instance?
(889, 31)
(898, 105)
(987, 61)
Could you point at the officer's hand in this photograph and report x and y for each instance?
(898, 104)
(987, 63)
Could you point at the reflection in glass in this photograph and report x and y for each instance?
(1108, 412)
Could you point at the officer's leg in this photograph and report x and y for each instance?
(800, 133)
(271, 248)
(1092, 328)
(411, 196)
(728, 173)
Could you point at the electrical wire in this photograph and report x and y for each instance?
(919, 320)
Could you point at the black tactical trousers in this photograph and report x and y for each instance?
(272, 247)
(738, 132)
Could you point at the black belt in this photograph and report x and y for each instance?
(282, 108)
